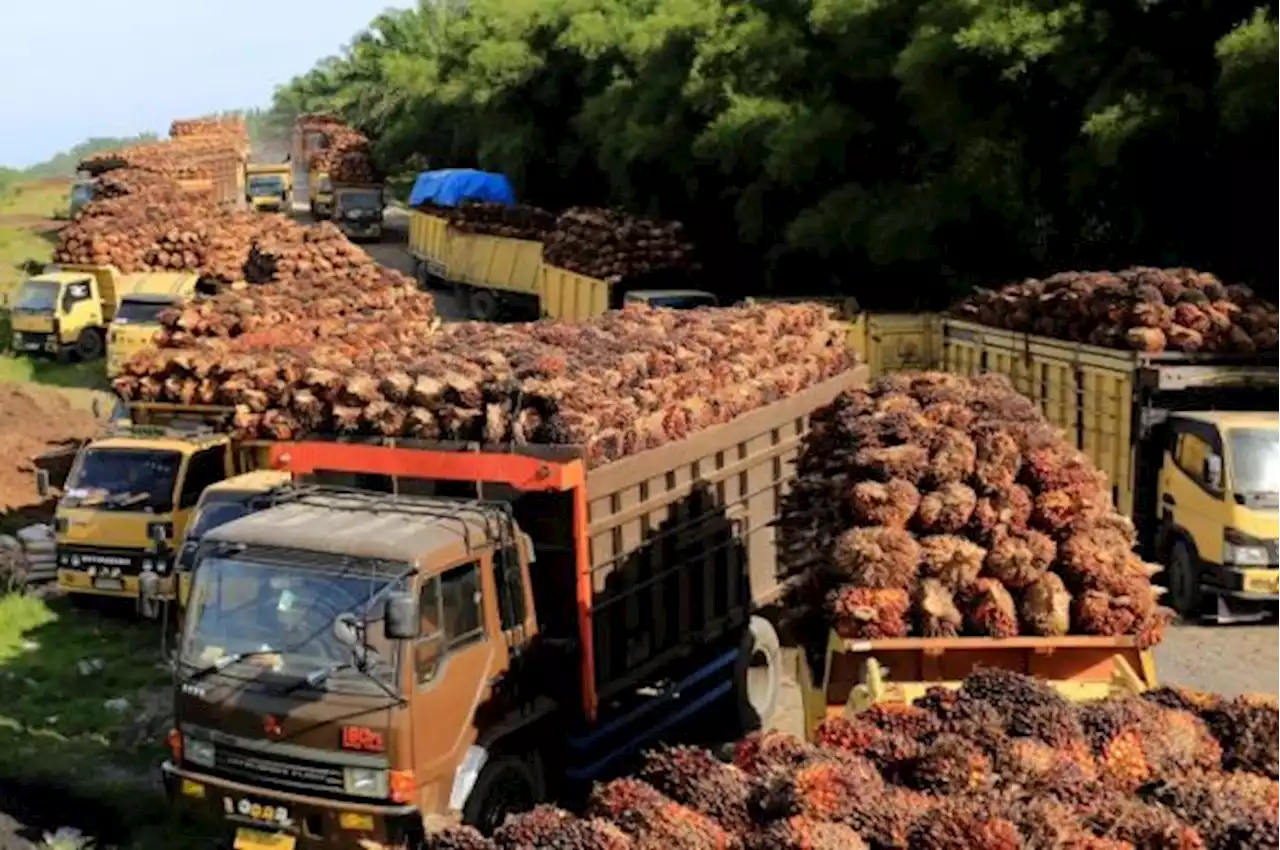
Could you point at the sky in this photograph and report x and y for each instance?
(98, 68)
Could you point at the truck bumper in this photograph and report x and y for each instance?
(1259, 584)
(281, 821)
(120, 587)
(35, 342)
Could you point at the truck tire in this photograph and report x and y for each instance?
(506, 785)
(757, 675)
(1183, 579)
(89, 345)
(484, 305)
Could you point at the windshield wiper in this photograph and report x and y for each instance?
(227, 660)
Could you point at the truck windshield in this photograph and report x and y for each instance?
(37, 296)
(81, 194)
(242, 606)
(1255, 460)
(123, 480)
(360, 200)
(136, 312)
(266, 184)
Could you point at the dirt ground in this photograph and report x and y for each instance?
(33, 419)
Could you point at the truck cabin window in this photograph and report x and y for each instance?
(266, 185)
(81, 193)
(1255, 462)
(74, 294)
(135, 311)
(449, 608)
(239, 605)
(324, 184)
(37, 296)
(123, 480)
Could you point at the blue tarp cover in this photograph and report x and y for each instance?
(449, 187)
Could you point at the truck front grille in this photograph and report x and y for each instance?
(287, 773)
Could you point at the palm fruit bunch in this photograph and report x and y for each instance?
(1002, 762)
(1147, 309)
(316, 357)
(940, 506)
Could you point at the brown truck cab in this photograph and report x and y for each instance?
(358, 668)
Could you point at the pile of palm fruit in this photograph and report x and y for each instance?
(1002, 763)
(301, 360)
(938, 506)
(1147, 309)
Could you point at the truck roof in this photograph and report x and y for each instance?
(158, 442)
(258, 481)
(366, 525)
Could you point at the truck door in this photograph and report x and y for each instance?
(453, 661)
(80, 308)
(1189, 501)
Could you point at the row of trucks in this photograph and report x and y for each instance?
(497, 276)
(357, 209)
(382, 638)
(85, 311)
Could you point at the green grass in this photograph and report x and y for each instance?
(18, 244)
(59, 668)
(54, 714)
(45, 198)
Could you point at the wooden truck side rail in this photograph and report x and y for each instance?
(857, 674)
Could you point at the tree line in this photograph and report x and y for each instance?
(901, 151)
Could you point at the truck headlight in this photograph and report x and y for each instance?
(201, 753)
(364, 782)
(148, 565)
(1245, 550)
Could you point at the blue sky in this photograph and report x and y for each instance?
(72, 69)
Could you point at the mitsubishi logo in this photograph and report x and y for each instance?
(271, 725)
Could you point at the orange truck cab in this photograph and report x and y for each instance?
(477, 629)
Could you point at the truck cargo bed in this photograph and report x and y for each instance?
(640, 562)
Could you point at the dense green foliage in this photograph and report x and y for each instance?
(899, 148)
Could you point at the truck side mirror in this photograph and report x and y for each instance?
(401, 621)
(1213, 472)
(42, 483)
(97, 408)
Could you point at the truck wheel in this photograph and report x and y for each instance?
(757, 675)
(507, 785)
(89, 345)
(1183, 578)
(484, 305)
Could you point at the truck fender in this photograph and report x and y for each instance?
(465, 776)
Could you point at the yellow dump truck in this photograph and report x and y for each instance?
(132, 493)
(269, 186)
(320, 189)
(137, 322)
(65, 311)
(1189, 461)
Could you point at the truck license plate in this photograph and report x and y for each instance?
(108, 583)
(1262, 582)
(253, 839)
